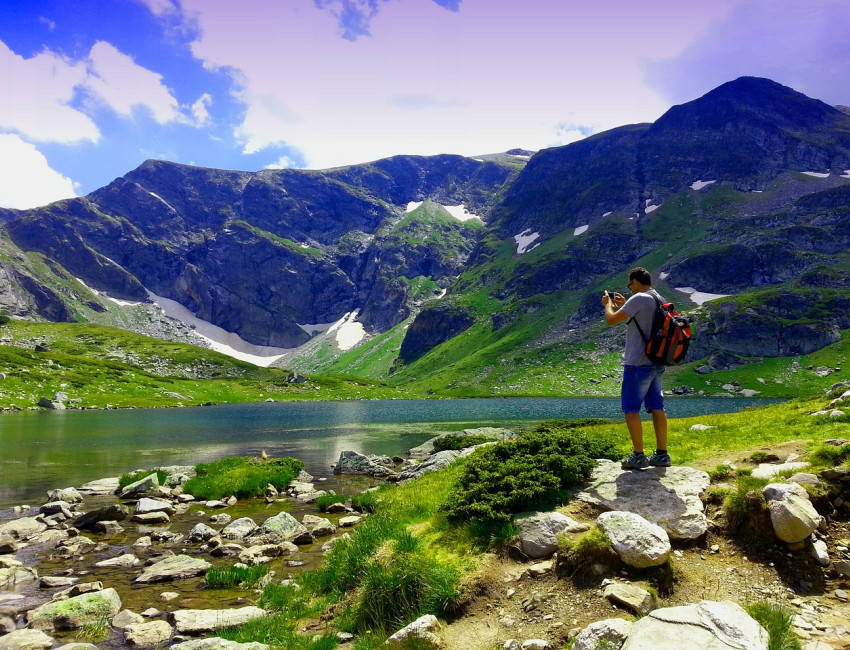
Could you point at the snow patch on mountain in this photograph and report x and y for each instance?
(846, 174)
(700, 297)
(219, 339)
(117, 301)
(348, 331)
(157, 196)
(650, 208)
(524, 241)
(459, 212)
(817, 174)
(698, 185)
(580, 229)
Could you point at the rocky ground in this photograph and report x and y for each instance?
(55, 555)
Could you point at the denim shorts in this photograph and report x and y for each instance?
(642, 385)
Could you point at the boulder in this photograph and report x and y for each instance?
(75, 612)
(709, 625)
(176, 567)
(614, 631)
(22, 527)
(146, 504)
(538, 532)
(793, 516)
(8, 544)
(435, 463)
(348, 522)
(283, 527)
(198, 621)
(124, 561)
(56, 507)
(69, 495)
(101, 487)
(422, 628)
(152, 518)
(263, 553)
(215, 643)
(116, 512)
(322, 528)
(637, 600)
(125, 618)
(54, 582)
(767, 470)
(238, 528)
(147, 634)
(638, 542)
(108, 528)
(25, 640)
(201, 533)
(16, 575)
(666, 496)
(149, 483)
(352, 462)
(494, 433)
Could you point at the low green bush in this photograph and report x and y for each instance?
(241, 477)
(365, 502)
(531, 472)
(829, 455)
(325, 500)
(231, 576)
(131, 477)
(721, 473)
(745, 508)
(763, 457)
(778, 623)
(456, 442)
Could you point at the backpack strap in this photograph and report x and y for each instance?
(658, 305)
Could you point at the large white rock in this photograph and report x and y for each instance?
(196, 621)
(612, 630)
(238, 528)
(16, 575)
(216, 643)
(422, 628)
(148, 634)
(709, 625)
(767, 470)
(201, 532)
(638, 600)
(175, 567)
(435, 463)
(538, 531)
(25, 640)
(667, 496)
(75, 612)
(793, 516)
(69, 495)
(22, 527)
(146, 505)
(638, 542)
(126, 560)
(149, 483)
(283, 527)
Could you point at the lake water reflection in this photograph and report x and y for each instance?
(44, 450)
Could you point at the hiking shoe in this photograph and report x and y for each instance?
(635, 461)
(660, 460)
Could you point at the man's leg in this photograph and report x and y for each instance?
(659, 423)
(636, 430)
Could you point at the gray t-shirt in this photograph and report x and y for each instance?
(641, 307)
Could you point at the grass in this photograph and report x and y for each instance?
(325, 500)
(778, 623)
(233, 576)
(131, 477)
(241, 477)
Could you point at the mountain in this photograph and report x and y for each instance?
(742, 195)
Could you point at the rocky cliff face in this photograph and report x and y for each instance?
(262, 253)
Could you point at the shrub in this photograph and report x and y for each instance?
(581, 554)
(325, 500)
(131, 477)
(241, 477)
(456, 442)
(763, 457)
(745, 508)
(830, 455)
(778, 623)
(365, 502)
(721, 473)
(231, 576)
(531, 472)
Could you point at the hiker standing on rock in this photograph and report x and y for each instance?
(641, 377)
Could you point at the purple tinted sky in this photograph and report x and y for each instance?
(91, 88)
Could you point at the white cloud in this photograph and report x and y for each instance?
(26, 179)
(284, 162)
(38, 95)
(160, 7)
(423, 80)
(200, 110)
(124, 85)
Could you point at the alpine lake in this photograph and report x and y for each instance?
(56, 449)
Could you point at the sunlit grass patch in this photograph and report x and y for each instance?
(241, 477)
(233, 576)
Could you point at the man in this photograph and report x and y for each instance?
(641, 378)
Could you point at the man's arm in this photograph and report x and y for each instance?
(612, 316)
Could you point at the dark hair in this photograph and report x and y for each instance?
(641, 275)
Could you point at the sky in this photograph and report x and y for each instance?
(90, 89)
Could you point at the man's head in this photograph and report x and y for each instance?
(639, 279)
